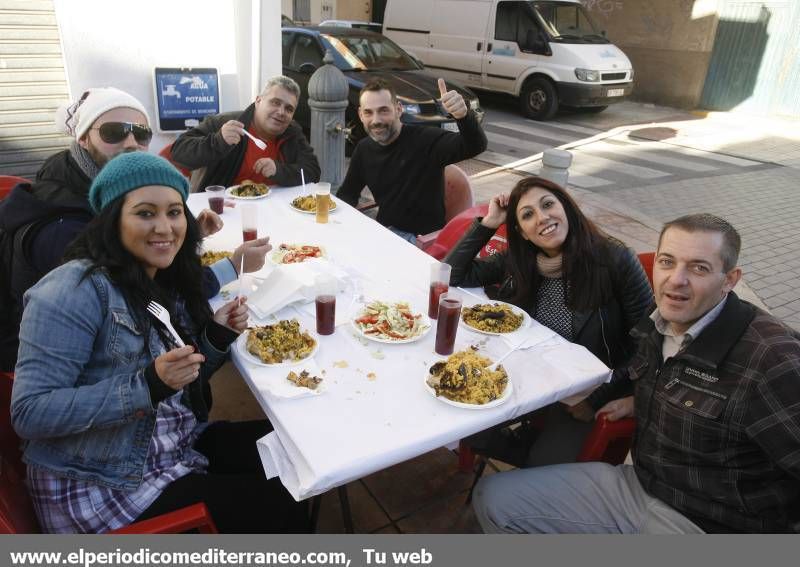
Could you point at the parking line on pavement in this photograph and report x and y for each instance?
(570, 127)
(588, 163)
(704, 154)
(500, 135)
(538, 132)
(496, 158)
(644, 153)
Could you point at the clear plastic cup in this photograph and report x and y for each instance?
(249, 221)
(325, 292)
(322, 194)
(440, 283)
(447, 323)
(216, 198)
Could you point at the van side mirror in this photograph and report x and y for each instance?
(307, 68)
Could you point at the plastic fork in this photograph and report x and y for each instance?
(506, 355)
(260, 144)
(157, 310)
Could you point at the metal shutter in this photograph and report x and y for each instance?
(32, 85)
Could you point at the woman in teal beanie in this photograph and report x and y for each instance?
(114, 412)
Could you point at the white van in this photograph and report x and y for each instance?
(546, 52)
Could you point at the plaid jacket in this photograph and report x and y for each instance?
(718, 425)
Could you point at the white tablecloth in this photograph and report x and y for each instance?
(375, 411)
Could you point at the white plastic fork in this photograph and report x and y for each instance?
(506, 355)
(260, 144)
(159, 312)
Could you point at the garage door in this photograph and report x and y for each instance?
(755, 63)
(32, 85)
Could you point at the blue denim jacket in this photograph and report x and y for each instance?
(80, 397)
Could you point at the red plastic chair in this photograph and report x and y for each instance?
(439, 243)
(17, 515)
(166, 153)
(646, 259)
(608, 441)
(8, 182)
(457, 192)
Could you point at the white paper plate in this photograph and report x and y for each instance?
(274, 255)
(241, 346)
(229, 193)
(526, 319)
(493, 404)
(360, 311)
(299, 210)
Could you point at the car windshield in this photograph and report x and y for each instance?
(568, 22)
(371, 53)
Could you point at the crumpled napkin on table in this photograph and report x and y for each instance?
(291, 283)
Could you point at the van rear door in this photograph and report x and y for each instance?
(458, 40)
(408, 24)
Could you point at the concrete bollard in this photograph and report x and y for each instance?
(327, 99)
(555, 166)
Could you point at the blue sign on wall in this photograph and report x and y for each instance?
(184, 96)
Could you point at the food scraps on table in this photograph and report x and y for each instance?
(304, 379)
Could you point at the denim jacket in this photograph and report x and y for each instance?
(80, 399)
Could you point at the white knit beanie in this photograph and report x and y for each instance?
(75, 119)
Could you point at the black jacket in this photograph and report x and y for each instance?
(718, 424)
(37, 223)
(604, 331)
(26, 258)
(204, 146)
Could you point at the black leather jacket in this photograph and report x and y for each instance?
(605, 331)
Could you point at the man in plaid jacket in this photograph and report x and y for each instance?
(716, 385)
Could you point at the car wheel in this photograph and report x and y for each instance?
(538, 99)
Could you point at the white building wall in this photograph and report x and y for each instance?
(118, 43)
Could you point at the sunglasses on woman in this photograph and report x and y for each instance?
(116, 132)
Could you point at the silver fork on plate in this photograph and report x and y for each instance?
(159, 312)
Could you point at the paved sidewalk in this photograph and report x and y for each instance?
(761, 204)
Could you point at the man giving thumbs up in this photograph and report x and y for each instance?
(403, 164)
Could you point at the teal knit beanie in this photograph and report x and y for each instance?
(130, 171)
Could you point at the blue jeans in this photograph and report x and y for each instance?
(404, 234)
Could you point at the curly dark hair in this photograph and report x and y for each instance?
(584, 253)
(101, 244)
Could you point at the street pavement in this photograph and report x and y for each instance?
(636, 166)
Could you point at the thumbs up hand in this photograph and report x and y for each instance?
(452, 102)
